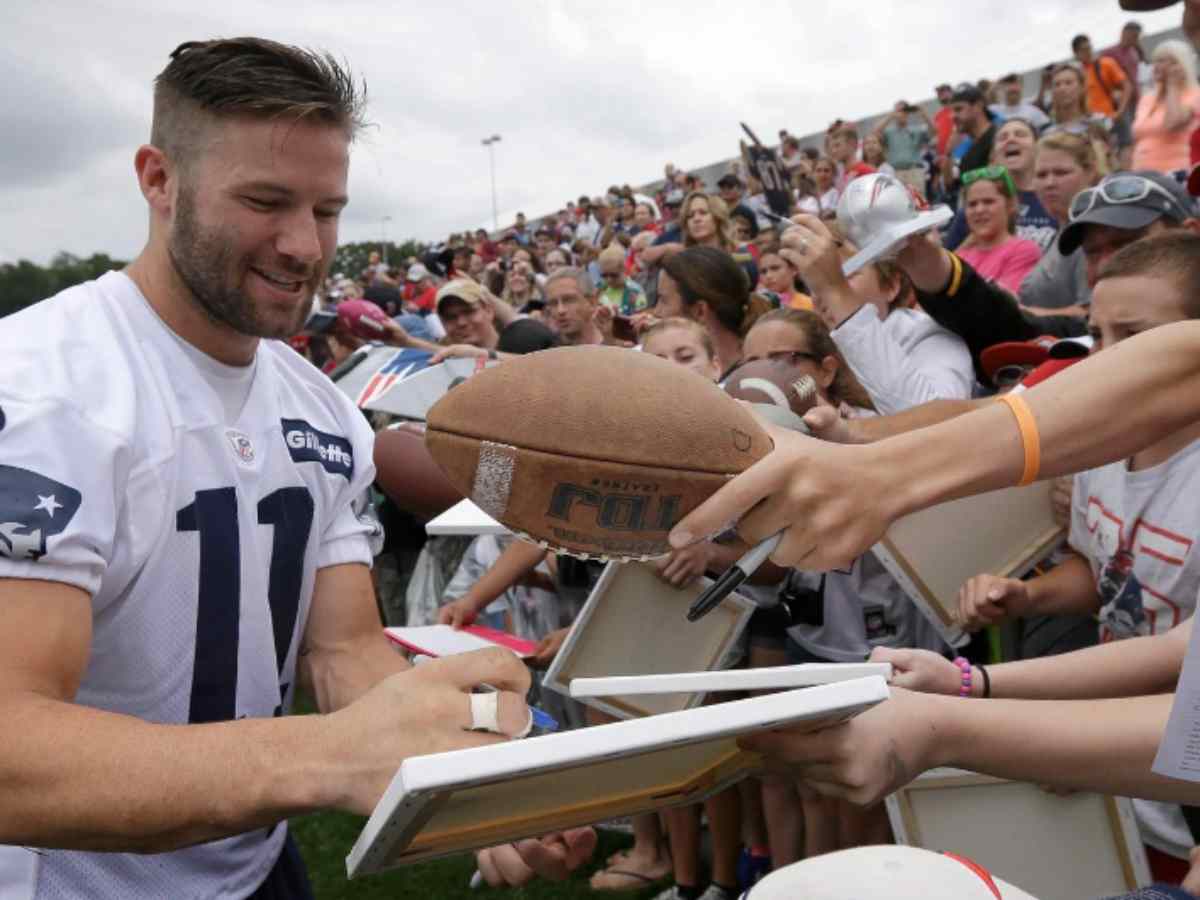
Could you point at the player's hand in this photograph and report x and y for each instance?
(868, 757)
(423, 710)
(547, 649)
(987, 599)
(553, 857)
(464, 351)
(458, 613)
(920, 670)
(681, 567)
(1060, 499)
(834, 501)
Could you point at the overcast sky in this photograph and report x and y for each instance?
(583, 94)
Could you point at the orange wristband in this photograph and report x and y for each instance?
(1029, 436)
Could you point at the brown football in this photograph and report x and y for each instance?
(593, 451)
(776, 382)
(408, 475)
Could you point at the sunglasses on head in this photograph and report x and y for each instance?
(1120, 189)
(991, 173)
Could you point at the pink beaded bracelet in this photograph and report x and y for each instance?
(964, 666)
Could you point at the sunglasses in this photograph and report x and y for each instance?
(991, 173)
(1121, 189)
(1007, 376)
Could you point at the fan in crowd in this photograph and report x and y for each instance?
(1049, 233)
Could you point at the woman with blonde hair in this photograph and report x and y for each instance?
(1167, 116)
(1069, 113)
(520, 287)
(1064, 166)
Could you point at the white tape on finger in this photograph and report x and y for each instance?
(485, 712)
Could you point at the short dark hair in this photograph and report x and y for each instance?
(1174, 256)
(967, 93)
(1078, 40)
(250, 76)
(1010, 78)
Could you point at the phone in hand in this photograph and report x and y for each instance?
(623, 329)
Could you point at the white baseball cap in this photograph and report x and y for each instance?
(884, 873)
(877, 212)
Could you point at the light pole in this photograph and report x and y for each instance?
(488, 142)
(386, 219)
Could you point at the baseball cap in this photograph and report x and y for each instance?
(1045, 356)
(729, 180)
(464, 290)
(966, 93)
(884, 873)
(361, 318)
(877, 212)
(1128, 200)
(526, 336)
(417, 272)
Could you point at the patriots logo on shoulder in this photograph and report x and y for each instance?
(401, 365)
(32, 509)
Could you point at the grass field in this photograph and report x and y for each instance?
(326, 838)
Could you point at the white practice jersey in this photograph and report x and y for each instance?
(197, 538)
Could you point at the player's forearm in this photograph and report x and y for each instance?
(1067, 589)
(1136, 667)
(1152, 379)
(340, 675)
(80, 778)
(1100, 745)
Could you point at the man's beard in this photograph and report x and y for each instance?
(202, 258)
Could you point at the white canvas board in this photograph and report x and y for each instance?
(447, 803)
(769, 678)
(634, 623)
(464, 518)
(933, 552)
(1075, 847)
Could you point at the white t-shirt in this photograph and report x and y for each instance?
(198, 539)
(906, 359)
(862, 607)
(1138, 532)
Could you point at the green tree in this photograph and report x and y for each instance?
(24, 283)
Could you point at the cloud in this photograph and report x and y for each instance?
(585, 94)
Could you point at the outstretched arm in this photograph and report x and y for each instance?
(835, 501)
(1100, 745)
